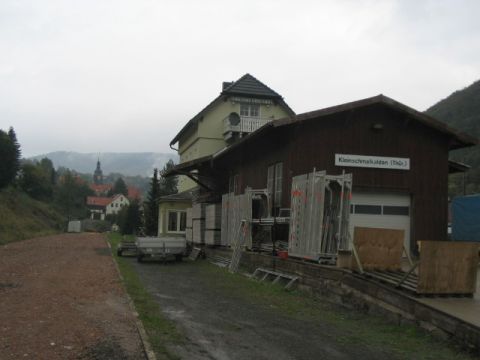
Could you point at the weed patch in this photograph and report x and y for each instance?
(22, 217)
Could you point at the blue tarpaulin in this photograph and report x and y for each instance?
(466, 218)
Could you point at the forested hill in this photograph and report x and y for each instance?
(130, 164)
(461, 110)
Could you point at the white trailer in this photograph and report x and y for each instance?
(161, 248)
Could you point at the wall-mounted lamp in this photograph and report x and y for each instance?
(377, 127)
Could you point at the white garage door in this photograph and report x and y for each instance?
(384, 211)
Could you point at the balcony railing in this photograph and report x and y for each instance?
(245, 125)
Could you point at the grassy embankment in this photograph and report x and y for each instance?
(161, 332)
(22, 217)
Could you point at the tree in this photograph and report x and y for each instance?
(119, 188)
(18, 154)
(130, 219)
(70, 195)
(47, 166)
(152, 204)
(9, 157)
(35, 181)
(168, 185)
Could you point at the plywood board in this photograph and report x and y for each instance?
(306, 215)
(198, 211)
(225, 217)
(213, 216)
(246, 211)
(189, 217)
(235, 208)
(189, 234)
(447, 267)
(198, 231)
(379, 249)
(298, 200)
(212, 237)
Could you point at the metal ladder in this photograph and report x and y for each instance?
(238, 243)
(262, 274)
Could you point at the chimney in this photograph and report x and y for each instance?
(226, 84)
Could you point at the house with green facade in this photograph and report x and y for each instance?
(242, 107)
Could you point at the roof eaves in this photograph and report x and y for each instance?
(462, 139)
(186, 166)
(457, 167)
(243, 140)
(184, 196)
(193, 120)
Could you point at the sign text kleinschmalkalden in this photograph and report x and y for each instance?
(380, 162)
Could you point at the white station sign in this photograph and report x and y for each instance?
(379, 162)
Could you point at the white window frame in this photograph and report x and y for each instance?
(249, 108)
(275, 184)
(179, 217)
(234, 184)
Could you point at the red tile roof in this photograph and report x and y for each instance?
(98, 201)
(133, 193)
(101, 188)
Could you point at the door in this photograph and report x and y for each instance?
(381, 210)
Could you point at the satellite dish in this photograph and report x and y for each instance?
(234, 119)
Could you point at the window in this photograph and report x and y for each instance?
(251, 110)
(176, 221)
(233, 186)
(395, 210)
(368, 209)
(277, 199)
(274, 185)
(379, 210)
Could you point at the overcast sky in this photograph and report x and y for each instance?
(126, 75)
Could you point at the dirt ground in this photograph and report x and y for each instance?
(220, 325)
(61, 298)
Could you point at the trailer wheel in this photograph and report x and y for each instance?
(140, 258)
(178, 258)
(119, 252)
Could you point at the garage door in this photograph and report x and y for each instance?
(384, 211)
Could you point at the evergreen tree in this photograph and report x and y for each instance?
(18, 154)
(9, 157)
(130, 219)
(168, 184)
(119, 187)
(152, 204)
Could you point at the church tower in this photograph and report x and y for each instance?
(98, 174)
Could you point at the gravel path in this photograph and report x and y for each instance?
(61, 298)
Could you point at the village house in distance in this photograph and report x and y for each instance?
(102, 205)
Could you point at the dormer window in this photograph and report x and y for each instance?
(251, 110)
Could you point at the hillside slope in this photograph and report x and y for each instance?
(130, 164)
(461, 110)
(22, 217)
